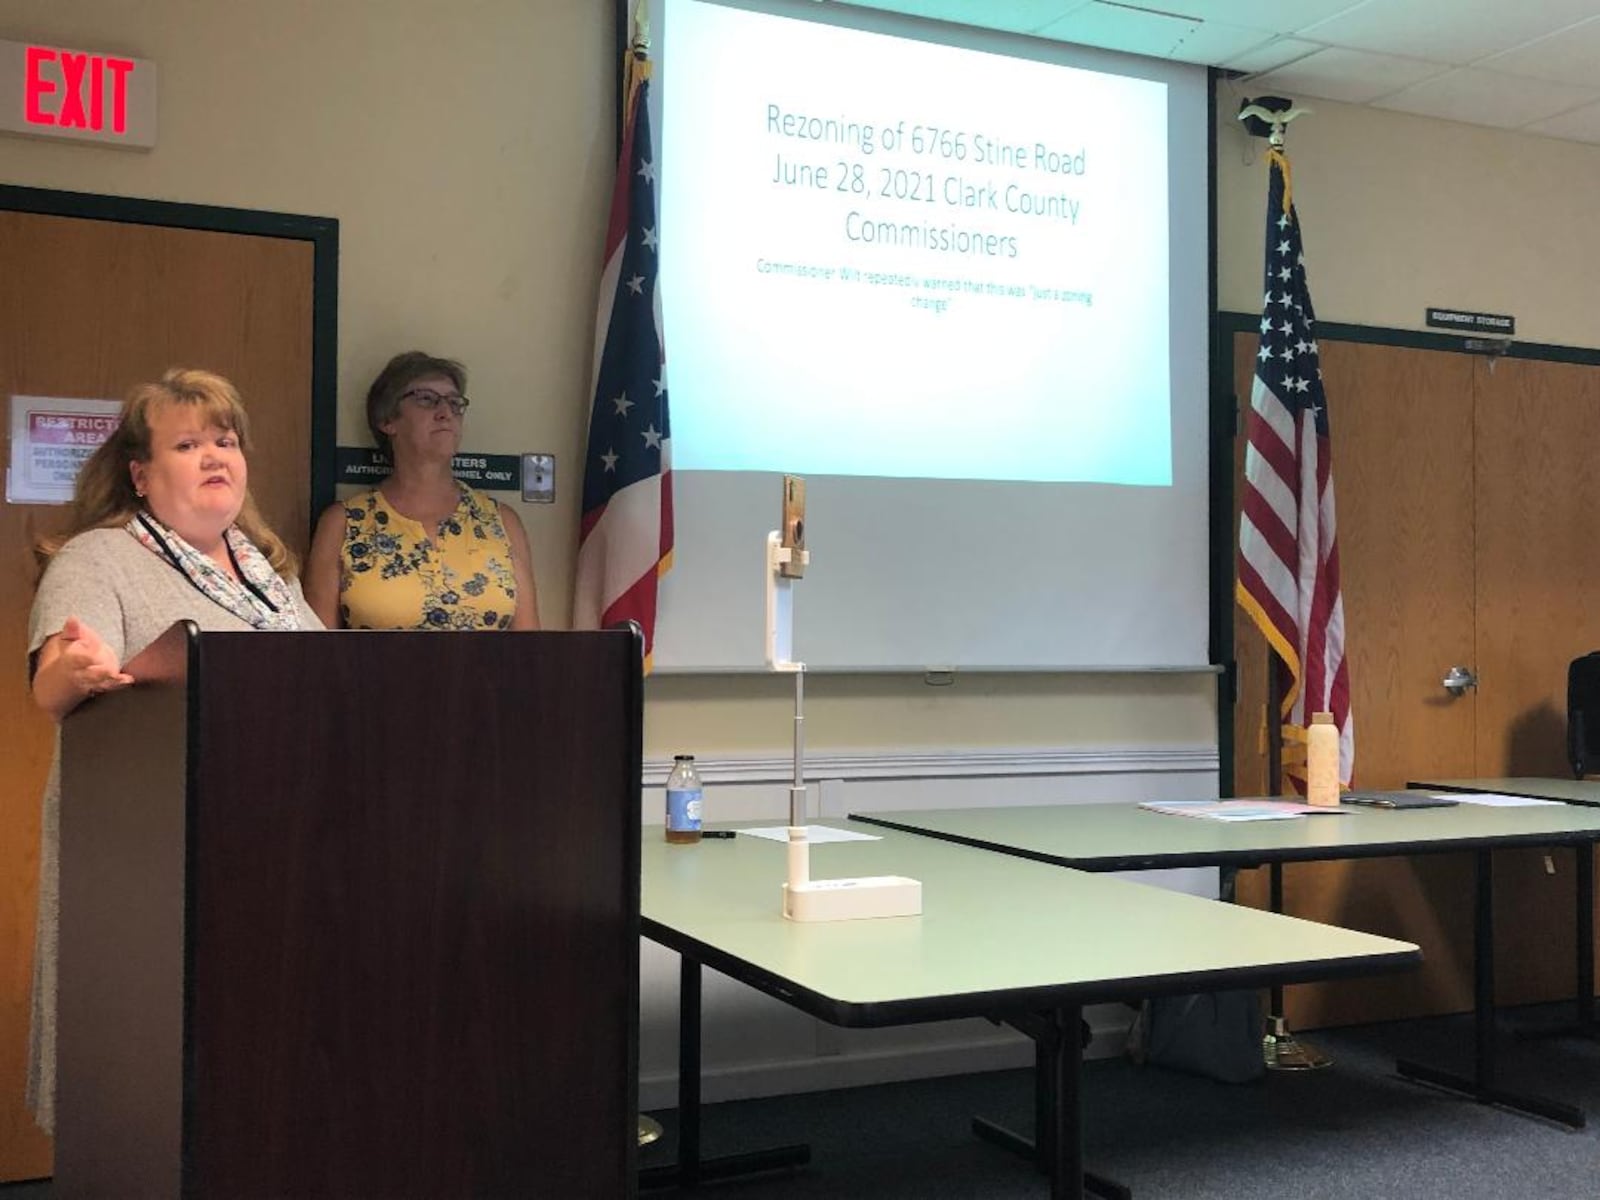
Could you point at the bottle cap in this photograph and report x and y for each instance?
(683, 758)
(1322, 718)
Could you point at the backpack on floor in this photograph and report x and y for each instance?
(1214, 1034)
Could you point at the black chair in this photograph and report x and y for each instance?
(1583, 713)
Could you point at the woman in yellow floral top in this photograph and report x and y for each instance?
(422, 550)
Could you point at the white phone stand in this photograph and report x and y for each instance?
(806, 899)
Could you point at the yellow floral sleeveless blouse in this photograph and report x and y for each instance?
(394, 574)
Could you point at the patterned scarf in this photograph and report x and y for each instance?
(259, 596)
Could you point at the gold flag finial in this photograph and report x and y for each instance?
(640, 43)
(1266, 116)
(636, 59)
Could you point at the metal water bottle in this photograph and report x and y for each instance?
(685, 794)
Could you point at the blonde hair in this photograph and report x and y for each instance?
(103, 497)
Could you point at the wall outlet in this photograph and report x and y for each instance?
(539, 478)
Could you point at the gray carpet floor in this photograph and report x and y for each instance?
(1354, 1130)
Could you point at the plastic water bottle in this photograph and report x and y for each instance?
(684, 797)
(1322, 760)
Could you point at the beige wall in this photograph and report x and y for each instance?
(752, 714)
(1403, 212)
(466, 146)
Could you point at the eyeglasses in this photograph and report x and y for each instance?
(427, 399)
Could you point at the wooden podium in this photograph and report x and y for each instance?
(353, 914)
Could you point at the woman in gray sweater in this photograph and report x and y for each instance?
(162, 529)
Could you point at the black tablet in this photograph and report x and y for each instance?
(1397, 799)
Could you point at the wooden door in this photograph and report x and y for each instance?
(1402, 422)
(91, 307)
(1538, 605)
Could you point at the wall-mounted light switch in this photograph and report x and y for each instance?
(539, 478)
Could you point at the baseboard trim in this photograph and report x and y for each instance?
(1002, 1052)
(947, 764)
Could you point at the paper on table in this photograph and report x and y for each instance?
(814, 834)
(1496, 799)
(1239, 810)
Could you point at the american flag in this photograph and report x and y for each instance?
(625, 541)
(1288, 552)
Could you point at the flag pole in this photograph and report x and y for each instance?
(1281, 1050)
(1274, 719)
(635, 70)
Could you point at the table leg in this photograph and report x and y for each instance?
(691, 1170)
(1066, 1086)
(1280, 1049)
(1483, 1086)
(1275, 902)
(1483, 1014)
(689, 1016)
(1583, 991)
(1057, 1145)
(1585, 925)
(1044, 1105)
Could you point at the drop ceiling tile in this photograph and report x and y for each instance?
(1449, 31)
(1136, 31)
(1211, 44)
(1579, 125)
(1352, 76)
(1279, 16)
(1481, 97)
(1537, 62)
(1271, 56)
(1571, 56)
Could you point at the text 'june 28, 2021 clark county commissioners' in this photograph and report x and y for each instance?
(922, 189)
(887, 171)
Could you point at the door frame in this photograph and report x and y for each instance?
(1227, 424)
(321, 232)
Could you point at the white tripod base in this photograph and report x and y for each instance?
(853, 899)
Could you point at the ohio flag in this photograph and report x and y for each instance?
(625, 541)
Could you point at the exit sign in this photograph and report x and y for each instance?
(85, 95)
